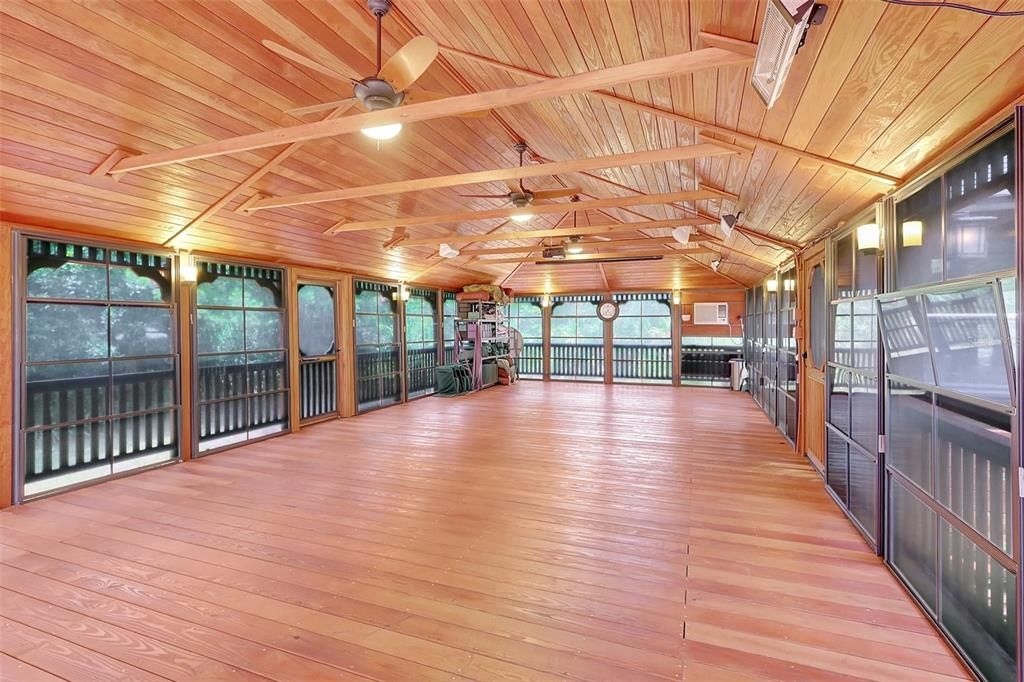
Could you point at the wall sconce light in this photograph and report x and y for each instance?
(912, 233)
(772, 284)
(545, 301)
(677, 297)
(788, 284)
(401, 293)
(187, 270)
(868, 238)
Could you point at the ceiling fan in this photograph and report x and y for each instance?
(390, 87)
(519, 196)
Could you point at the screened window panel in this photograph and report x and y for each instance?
(378, 347)
(864, 335)
(70, 331)
(973, 468)
(527, 316)
(912, 542)
(919, 261)
(978, 605)
(242, 379)
(421, 342)
(839, 399)
(862, 503)
(642, 340)
(843, 276)
(81, 408)
(817, 313)
(1008, 287)
(864, 411)
(865, 273)
(911, 451)
(316, 320)
(980, 212)
(966, 334)
(577, 340)
(450, 310)
(837, 465)
(905, 338)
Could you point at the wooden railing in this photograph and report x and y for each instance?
(707, 364)
(224, 407)
(580, 361)
(421, 370)
(637, 362)
(87, 436)
(318, 381)
(530, 362)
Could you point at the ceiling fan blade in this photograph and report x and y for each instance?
(303, 60)
(316, 108)
(417, 95)
(409, 63)
(503, 197)
(598, 238)
(556, 193)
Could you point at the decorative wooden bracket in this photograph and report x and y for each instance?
(109, 162)
(244, 206)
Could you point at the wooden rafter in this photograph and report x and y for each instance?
(661, 67)
(587, 258)
(608, 228)
(509, 173)
(534, 209)
(587, 246)
(679, 118)
(228, 196)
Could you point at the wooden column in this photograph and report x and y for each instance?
(291, 314)
(609, 339)
(345, 310)
(677, 337)
(186, 362)
(7, 359)
(546, 352)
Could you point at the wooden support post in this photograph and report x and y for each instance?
(186, 360)
(546, 343)
(292, 316)
(609, 341)
(345, 308)
(677, 338)
(7, 360)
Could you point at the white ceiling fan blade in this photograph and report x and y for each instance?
(409, 63)
(316, 108)
(417, 95)
(308, 62)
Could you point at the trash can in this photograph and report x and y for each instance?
(737, 373)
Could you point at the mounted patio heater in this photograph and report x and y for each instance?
(782, 35)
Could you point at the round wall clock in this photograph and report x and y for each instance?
(608, 310)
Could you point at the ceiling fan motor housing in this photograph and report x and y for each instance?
(376, 94)
(521, 199)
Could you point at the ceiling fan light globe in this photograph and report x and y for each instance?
(574, 249)
(522, 217)
(384, 132)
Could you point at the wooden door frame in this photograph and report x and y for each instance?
(805, 367)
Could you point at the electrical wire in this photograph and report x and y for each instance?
(955, 5)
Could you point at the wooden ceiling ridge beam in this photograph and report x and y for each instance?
(708, 58)
(583, 230)
(701, 126)
(534, 209)
(509, 173)
(615, 243)
(597, 256)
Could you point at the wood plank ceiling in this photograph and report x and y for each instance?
(879, 86)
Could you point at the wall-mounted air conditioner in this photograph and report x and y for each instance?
(711, 313)
(782, 34)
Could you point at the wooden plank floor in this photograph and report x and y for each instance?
(539, 532)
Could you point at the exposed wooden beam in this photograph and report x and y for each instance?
(598, 256)
(270, 165)
(104, 167)
(587, 246)
(609, 228)
(661, 67)
(679, 118)
(604, 277)
(727, 43)
(534, 209)
(510, 173)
